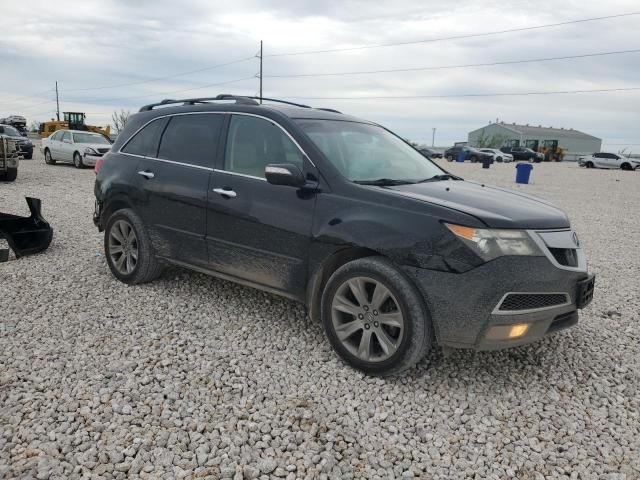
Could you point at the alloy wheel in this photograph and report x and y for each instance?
(367, 319)
(123, 247)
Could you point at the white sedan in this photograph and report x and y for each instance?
(74, 146)
(609, 160)
(498, 156)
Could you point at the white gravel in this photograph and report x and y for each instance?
(194, 377)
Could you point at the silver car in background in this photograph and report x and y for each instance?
(74, 146)
(498, 156)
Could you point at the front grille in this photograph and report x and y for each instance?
(565, 256)
(515, 302)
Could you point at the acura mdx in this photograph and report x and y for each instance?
(391, 253)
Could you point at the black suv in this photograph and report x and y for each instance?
(469, 153)
(522, 153)
(390, 252)
(25, 146)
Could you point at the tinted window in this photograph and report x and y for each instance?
(253, 143)
(191, 139)
(145, 142)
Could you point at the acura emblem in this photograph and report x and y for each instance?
(575, 239)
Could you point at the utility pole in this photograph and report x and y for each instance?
(57, 103)
(433, 136)
(260, 71)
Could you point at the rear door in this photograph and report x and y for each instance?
(173, 179)
(257, 231)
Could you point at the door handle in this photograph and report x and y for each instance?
(226, 193)
(146, 174)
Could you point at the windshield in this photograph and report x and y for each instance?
(90, 138)
(10, 131)
(365, 153)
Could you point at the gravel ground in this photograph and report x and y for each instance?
(194, 377)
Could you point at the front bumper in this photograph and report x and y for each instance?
(26, 150)
(464, 306)
(90, 160)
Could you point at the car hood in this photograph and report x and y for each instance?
(15, 137)
(96, 145)
(496, 207)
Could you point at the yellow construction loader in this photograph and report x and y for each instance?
(72, 121)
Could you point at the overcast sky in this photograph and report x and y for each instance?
(89, 44)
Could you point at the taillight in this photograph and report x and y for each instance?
(98, 165)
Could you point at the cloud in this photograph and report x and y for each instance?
(95, 44)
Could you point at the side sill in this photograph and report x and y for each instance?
(231, 278)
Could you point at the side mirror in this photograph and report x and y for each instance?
(284, 174)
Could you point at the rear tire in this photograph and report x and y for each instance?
(473, 159)
(589, 165)
(449, 158)
(48, 159)
(375, 318)
(128, 249)
(77, 160)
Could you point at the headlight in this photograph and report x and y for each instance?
(489, 243)
(90, 151)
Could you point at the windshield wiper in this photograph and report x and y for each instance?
(437, 178)
(383, 182)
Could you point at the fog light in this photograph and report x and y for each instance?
(508, 332)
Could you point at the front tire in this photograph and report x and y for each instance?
(473, 159)
(48, 159)
(589, 165)
(375, 318)
(626, 166)
(77, 160)
(128, 249)
(449, 158)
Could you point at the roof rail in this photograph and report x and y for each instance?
(329, 110)
(192, 101)
(281, 101)
(240, 99)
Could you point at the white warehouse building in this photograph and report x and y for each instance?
(538, 138)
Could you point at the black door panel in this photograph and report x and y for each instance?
(174, 208)
(262, 234)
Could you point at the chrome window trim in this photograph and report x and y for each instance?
(238, 174)
(497, 311)
(212, 113)
(172, 162)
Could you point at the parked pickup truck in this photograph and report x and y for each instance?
(8, 159)
(522, 153)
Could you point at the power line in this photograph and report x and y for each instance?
(164, 93)
(445, 67)
(461, 95)
(453, 37)
(35, 95)
(157, 79)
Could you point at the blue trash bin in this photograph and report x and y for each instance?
(523, 172)
(460, 156)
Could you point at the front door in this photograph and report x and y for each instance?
(65, 152)
(257, 231)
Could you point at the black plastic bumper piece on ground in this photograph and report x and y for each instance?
(26, 235)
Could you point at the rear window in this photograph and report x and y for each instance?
(145, 142)
(191, 139)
